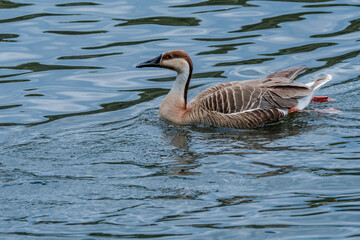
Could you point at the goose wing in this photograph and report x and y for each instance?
(276, 79)
(236, 97)
(288, 74)
(251, 103)
(241, 120)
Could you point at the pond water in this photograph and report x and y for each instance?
(84, 155)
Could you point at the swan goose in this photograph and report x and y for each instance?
(239, 104)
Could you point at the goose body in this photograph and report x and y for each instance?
(238, 104)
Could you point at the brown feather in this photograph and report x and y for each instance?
(288, 74)
(250, 103)
(275, 91)
(248, 119)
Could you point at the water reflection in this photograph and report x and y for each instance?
(75, 32)
(145, 95)
(116, 44)
(226, 39)
(301, 49)
(184, 161)
(244, 62)
(314, 201)
(273, 22)
(331, 5)
(31, 16)
(14, 81)
(9, 4)
(38, 67)
(235, 142)
(353, 27)
(77, 4)
(225, 48)
(88, 56)
(167, 21)
(5, 37)
(259, 139)
(331, 61)
(216, 3)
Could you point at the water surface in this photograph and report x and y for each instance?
(84, 154)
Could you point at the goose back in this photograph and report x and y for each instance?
(251, 103)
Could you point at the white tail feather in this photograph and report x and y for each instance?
(319, 82)
(315, 86)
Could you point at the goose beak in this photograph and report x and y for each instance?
(155, 62)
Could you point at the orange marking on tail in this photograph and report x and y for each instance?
(321, 99)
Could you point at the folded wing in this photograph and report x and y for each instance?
(251, 103)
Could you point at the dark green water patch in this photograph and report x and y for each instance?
(76, 32)
(353, 27)
(226, 39)
(348, 81)
(331, 5)
(244, 62)
(224, 48)
(116, 44)
(34, 95)
(88, 56)
(167, 21)
(331, 61)
(135, 236)
(10, 106)
(9, 4)
(302, 1)
(216, 10)
(30, 234)
(11, 75)
(300, 49)
(4, 37)
(82, 21)
(38, 67)
(273, 22)
(14, 81)
(32, 16)
(73, 4)
(243, 3)
(251, 226)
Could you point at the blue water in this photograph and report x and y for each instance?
(84, 155)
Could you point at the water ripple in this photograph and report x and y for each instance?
(75, 32)
(116, 44)
(273, 22)
(84, 153)
(31, 16)
(168, 21)
(353, 27)
(9, 4)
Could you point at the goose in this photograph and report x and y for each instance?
(238, 104)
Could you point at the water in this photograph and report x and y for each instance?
(84, 154)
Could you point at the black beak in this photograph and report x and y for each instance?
(155, 62)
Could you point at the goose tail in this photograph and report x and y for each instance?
(316, 85)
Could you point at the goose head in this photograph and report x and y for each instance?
(175, 103)
(176, 60)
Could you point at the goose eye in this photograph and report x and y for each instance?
(169, 56)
